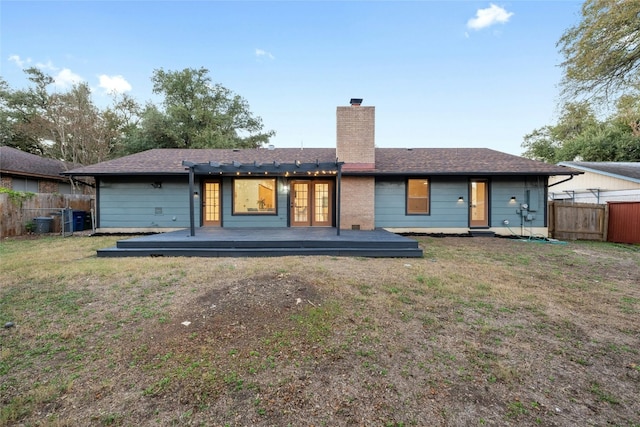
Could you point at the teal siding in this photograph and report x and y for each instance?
(137, 204)
(445, 209)
(529, 190)
(448, 212)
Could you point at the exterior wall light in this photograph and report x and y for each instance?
(512, 200)
(460, 199)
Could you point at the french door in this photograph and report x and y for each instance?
(311, 203)
(211, 204)
(479, 203)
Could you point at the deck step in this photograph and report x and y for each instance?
(264, 242)
(116, 252)
(482, 233)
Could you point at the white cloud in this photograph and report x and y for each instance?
(22, 63)
(66, 78)
(488, 17)
(264, 54)
(47, 66)
(63, 78)
(113, 84)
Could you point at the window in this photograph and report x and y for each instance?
(418, 196)
(254, 196)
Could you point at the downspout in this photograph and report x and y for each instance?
(192, 220)
(78, 181)
(338, 192)
(547, 196)
(560, 182)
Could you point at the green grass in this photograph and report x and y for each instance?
(502, 329)
(603, 395)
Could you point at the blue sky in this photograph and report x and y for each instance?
(440, 73)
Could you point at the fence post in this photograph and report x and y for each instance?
(552, 218)
(605, 230)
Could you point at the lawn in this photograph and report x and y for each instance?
(480, 331)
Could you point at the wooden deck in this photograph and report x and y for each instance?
(264, 242)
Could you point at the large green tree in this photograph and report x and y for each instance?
(602, 52)
(196, 113)
(65, 125)
(80, 132)
(628, 112)
(601, 67)
(579, 135)
(22, 121)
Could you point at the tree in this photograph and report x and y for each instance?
(68, 126)
(541, 145)
(578, 135)
(547, 144)
(576, 118)
(22, 124)
(121, 118)
(628, 112)
(154, 131)
(63, 125)
(196, 114)
(602, 52)
(79, 131)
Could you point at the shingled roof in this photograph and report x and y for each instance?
(623, 170)
(389, 161)
(460, 161)
(19, 163)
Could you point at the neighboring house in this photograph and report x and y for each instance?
(352, 186)
(601, 182)
(21, 171)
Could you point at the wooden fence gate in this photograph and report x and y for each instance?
(577, 221)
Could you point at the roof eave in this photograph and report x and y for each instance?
(33, 175)
(102, 174)
(461, 173)
(584, 169)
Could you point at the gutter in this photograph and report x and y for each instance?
(560, 182)
(78, 181)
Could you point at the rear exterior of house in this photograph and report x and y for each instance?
(354, 186)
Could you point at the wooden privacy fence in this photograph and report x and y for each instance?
(15, 213)
(577, 221)
(614, 222)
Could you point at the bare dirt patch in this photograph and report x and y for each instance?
(478, 332)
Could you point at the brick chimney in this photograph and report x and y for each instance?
(355, 138)
(355, 146)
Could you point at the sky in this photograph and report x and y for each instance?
(440, 73)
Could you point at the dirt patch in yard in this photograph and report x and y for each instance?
(480, 331)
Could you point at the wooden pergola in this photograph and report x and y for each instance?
(256, 169)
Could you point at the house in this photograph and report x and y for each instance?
(353, 186)
(22, 171)
(601, 182)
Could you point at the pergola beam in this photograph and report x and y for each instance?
(284, 169)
